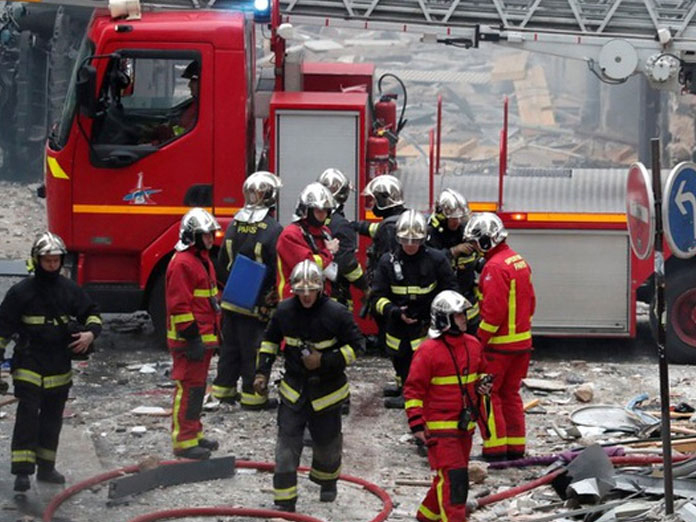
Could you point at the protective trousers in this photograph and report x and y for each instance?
(190, 378)
(242, 337)
(412, 337)
(325, 429)
(446, 499)
(37, 427)
(506, 424)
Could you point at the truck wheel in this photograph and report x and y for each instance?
(680, 297)
(157, 309)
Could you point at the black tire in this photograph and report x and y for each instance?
(157, 308)
(680, 298)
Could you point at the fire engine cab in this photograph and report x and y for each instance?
(161, 117)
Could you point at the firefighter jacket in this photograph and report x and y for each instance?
(412, 282)
(328, 327)
(508, 301)
(433, 398)
(349, 269)
(42, 311)
(192, 299)
(383, 235)
(256, 241)
(297, 242)
(442, 238)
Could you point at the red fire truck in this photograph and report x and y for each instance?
(136, 148)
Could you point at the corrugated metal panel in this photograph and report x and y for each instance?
(584, 190)
(435, 76)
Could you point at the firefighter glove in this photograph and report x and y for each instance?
(261, 384)
(195, 350)
(312, 360)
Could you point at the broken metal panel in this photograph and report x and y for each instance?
(172, 475)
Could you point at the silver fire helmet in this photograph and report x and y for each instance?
(386, 191)
(314, 195)
(442, 310)
(260, 195)
(452, 204)
(337, 183)
(195, 221)
(305, 277)
(486, 230)
(411, 228)
(47, 244)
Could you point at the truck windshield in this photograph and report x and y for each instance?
(61, 131)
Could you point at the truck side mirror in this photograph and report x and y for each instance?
(86, 89)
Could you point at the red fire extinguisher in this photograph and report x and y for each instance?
(377, 157)
(385, 124)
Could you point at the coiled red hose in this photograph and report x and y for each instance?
(55, 503)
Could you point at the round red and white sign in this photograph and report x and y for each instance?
(640, 211)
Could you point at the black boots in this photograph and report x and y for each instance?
(394, 402)
(49, 475)
(208, 444)
(22, 483)
(195, 453)
(328, 492)
(285, 505)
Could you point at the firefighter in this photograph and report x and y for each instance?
(193, 317)
(446, 233)
(253, 233)
(186, 119)
(55, 321)
(505, 332)
(307, 237)
(349, 270)
(446, 397)
(384, 196)
(404, 285)
(321, 340)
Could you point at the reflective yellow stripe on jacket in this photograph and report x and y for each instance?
(513, 335)
(413, 290)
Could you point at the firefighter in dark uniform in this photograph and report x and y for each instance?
(446, 233)
(307, 237)
(404, 285)
(349, 270)
(253, 233)
(384, 196)
(321, 340)
(193, 318)
(55, 321)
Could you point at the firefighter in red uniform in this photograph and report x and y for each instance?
(321, 340)
(253, 233)
(446, 233)
(349, 270)
(55, 321)
(505, 332)
(446, 397)
(307, 237)
(193, 316)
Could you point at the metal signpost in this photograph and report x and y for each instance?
(644, 219)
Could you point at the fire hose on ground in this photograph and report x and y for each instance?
(267, 466)
(58, 500)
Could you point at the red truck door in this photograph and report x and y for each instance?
(148, 158)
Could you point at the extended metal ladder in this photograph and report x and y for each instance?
(617, 38)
